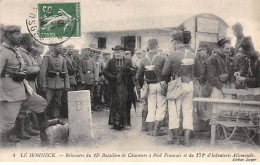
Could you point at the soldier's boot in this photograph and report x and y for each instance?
(19, 128)
(7, 138)
(43, 124)
(173, 137)
(187, 134)
(156, 131)
(150, 127)
(27, 127)
(34, 122)
(144, 123)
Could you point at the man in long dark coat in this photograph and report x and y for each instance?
(119, 71)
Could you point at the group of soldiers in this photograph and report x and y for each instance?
(169, 81)
(33, 93)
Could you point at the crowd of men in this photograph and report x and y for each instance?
(34, 88)
(33, 93)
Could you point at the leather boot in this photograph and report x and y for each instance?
(187, 134)
(156, 131)
(144, 124)
(34, 121)
(150, 127)
(173, 136)
(19, 128)
(27, 127)
(43, 124)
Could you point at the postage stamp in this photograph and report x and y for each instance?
(54, 23)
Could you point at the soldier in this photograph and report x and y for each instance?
(54, 79)
(88, 72)
(106, 93)
(75, 58)
(23, 123)
(15, 90)
(151, 68)
(250, 74)
(98, 89)
(180, 66)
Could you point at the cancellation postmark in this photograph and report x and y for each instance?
(54, 23)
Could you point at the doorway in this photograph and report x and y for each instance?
(129, 43)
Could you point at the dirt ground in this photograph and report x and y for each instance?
(132, 139)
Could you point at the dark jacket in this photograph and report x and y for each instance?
(252, 71)
(218, 65)
(173, 65)
(158, 61)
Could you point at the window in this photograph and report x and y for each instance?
(102, 43)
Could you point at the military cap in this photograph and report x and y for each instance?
(70, 46)
(223, 41)
(203, 47)
(105, 53)
(152, 44)
(119, 47)
(247, 44)
(186, 37)
(177, 36)
(11, 28)
(26, 38)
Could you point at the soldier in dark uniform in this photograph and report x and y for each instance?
(98, 89)
(119, 71)
(250, 74)
(88, 72)
(15, 90)
(54, 79)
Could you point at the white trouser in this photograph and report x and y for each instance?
(184, 103)
(156, 103)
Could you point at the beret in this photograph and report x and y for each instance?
(177, 36)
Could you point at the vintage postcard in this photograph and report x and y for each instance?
(130, 80)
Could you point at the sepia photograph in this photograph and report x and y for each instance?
(129, 81)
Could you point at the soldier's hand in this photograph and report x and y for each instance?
(66, 89)
(240, 79)
(82, 82)
(96, 83)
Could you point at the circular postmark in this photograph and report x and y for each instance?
(54, 23)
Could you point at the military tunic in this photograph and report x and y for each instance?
(13, 94)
